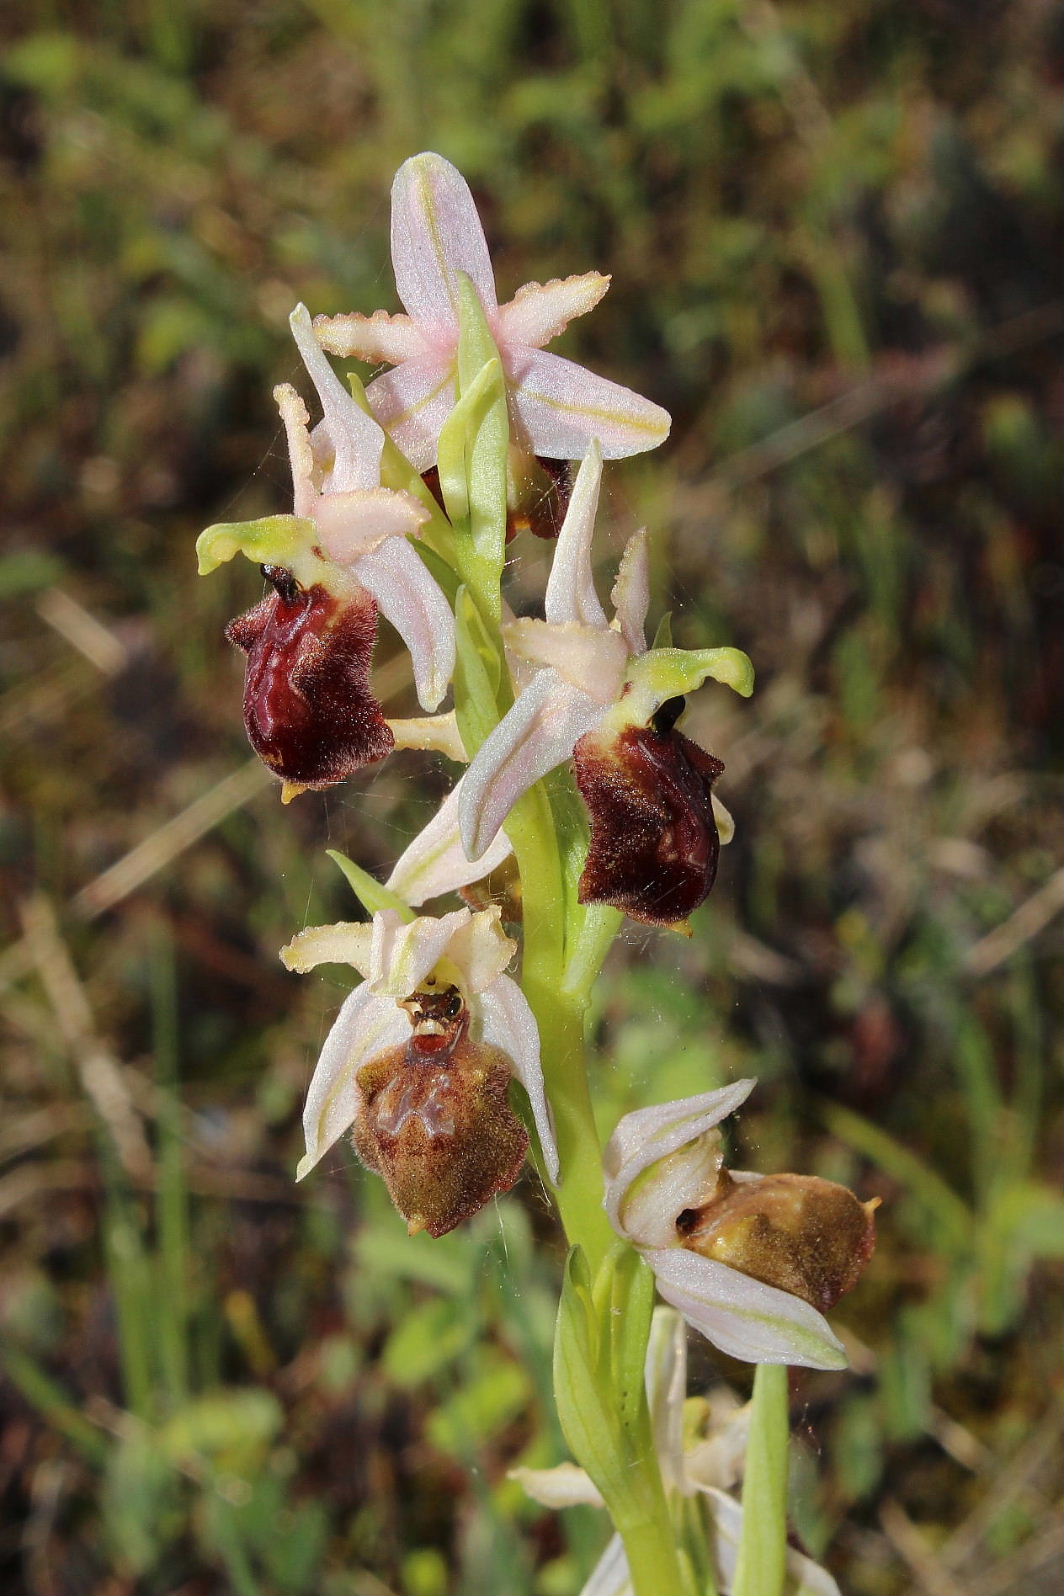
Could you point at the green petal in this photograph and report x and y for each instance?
(273, 540)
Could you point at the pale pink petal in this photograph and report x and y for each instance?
(717, 1462)
(645, 1209)
(436, 234)
(631, 593)
(372, 338)
(538, 733)
(295, 418)
(507, 1022)
(435, 861)
(481, 950)
(345, 942)
(538, 312)
(430, 734)
(803, 1577)
(354, 439)
(725, 823)
(412, 403)
(354, 523)
(405, 952)
(666, 1383)
(571, 594)
(560, 407)
(365, 1026)
(742, 1316)
(565, 1485)
(610, 1575)
(410, 598)
(651, 1133)
(590, 657)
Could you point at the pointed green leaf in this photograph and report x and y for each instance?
(369, 892)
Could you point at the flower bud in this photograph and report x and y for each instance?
(654, 841)
(804, 1235)
(308, 709)
(435, 1120)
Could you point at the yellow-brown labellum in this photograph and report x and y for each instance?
(807, 1236)
(436, 1122)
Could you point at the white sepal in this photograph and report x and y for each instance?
(410, 598)
(507, 1022)
(435, 862)
(538, 733)
(365, 1026)
(742, 1316)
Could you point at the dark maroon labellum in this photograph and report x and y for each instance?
(308, 708)
(654, 842)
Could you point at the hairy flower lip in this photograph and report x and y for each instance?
(395, 956)
(654, 839)
(665, 1160)
(308, 709)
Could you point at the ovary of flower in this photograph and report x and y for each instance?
(708, 1467)
(395, 956)
(664, 1161)
(557, 407)
(590, 671)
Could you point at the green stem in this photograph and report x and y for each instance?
(653, 1556)
(763, 1547)
(560, 1017)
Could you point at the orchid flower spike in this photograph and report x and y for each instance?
(751, 1261)
(600, 696)
(340, 557)
(706, 1464)
(556, 407)
(420, 1059)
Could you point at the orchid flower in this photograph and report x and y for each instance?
(556, 407)
(600, 696)
(344, 554)
(419, 1057)
(705, 1466)
(790, 1239)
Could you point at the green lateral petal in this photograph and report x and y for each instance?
(369, 892)
(674, 672)
(272, 540)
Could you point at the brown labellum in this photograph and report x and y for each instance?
(436, 1121)
(805, 1235)
(654, 843)
(308, 709)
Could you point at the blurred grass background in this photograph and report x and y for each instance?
(834, 232)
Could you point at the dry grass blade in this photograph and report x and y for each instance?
(100, 1074)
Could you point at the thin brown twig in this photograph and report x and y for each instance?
(1032, 916)
(100, 1074)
